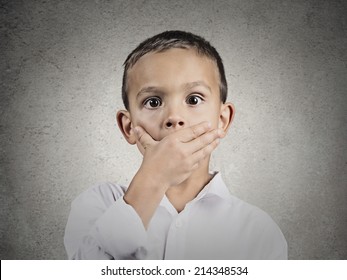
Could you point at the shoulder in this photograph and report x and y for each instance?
(103, 194)
(240, 212)
(250, 231)
(259, 229)
(248, 215)
(248, 211)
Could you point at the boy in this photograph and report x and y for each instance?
(174, 91)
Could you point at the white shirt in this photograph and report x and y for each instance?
(214, 225)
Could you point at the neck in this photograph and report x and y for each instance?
(181, 194)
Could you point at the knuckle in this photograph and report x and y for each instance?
(181, 155)
(195, 131)
(210, 137)
(204, 153)
(201, 141)
(208, 150)
(213, 135)
(172, 142)
(195, 166)
(186, 165)
(207, 139)
(139, 137)
(199, 129)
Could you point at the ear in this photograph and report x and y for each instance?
(226, 117)
(125, 126)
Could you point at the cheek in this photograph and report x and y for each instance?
(148, 122)
(208, 113)
(214, 114)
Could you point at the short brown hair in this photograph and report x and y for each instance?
(174, 39)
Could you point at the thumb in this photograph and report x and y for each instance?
(143, 138)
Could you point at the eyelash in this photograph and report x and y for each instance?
(147, 100)
(201, 99)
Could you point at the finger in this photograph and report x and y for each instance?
(190, 133)
(204, 140)
(143, 138)
(198, 156)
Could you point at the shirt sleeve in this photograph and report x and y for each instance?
(96, 230)
(271, 243)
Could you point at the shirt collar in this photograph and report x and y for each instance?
(215, 187)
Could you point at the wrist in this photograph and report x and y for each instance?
(151, 178)
(146, 185)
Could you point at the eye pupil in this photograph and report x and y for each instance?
(193, 100)
(154, 102)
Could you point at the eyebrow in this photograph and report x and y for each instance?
(191, 85)
(150, 89)
(186, 86)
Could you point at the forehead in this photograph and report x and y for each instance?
(172, 67)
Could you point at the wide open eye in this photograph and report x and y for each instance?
(152, 102)
(194, 100)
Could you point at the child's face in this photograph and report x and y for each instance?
(172, 90)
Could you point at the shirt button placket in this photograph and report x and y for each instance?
(179, 223)
(175, 241)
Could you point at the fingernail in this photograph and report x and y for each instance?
(136, 130)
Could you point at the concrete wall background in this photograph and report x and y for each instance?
(61, 67)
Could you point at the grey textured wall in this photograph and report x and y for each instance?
(61, 67)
